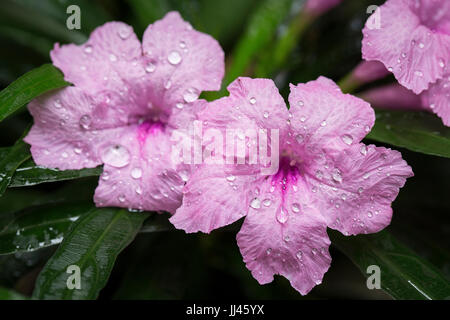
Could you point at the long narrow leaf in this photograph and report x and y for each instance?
(92, 245)
(404, 275)
(29, 86)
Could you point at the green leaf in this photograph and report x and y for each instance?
(28, 87)
(404, 275)
(92, 244)
(38, 227)
(29, 174)
(259, 32)
(6, 294)
(22, 15)
(10, 161)
(416, 131)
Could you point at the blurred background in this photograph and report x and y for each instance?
(171, 264)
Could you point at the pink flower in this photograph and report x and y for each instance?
(393, 96)
(318, 7)
(413, 42)
(326, 177)
(126, 100)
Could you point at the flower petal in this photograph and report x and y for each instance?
(437, 99)
(107, 61)
(356, 188)
(326, 118)
(180, 61)
(138, 172)
(409, 47)
(213, 198)
(64, 134)
(292, 243)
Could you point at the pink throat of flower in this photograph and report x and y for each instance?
(147, 128)
(287, 175)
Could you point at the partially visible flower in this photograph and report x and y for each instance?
(126, 100)
(318, 7)
(326, 177)
(437, 98)
(393, 96)
(413, 42)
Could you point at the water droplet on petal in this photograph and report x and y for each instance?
(231, 178)
(174, 57)
(112, 58)
(441, 63)
(363, 150)
(121, 198)
(88, 48)
(296, 207)
(115, 155)
(255, 203)
(300, 103)
(369, 214)
(299, 255)
(360, 190)
(337, 176)
(252, 100)
(182, 44)
(136, 173)
(138, 190)
(150, 67)
(299, 138)
(267, 202)
(347, 139)
(179, 105)
(418, 73)
(314, 251)
(282, 216)
(191, 95)
(124, 32)
(319, 174)
(85, 122)
(323, 124)
(265, 114)
(269, 251)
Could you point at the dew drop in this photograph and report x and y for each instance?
(363, 150)
(296, 207)
(300, 103)
(360, 190)
(299, 255)
(319, 174)
(88, 48)
(282, 216)
(136, 173)
(150, 67)
(369, 214)
(347, 139)
(418, 73)
(314, 251)
(323, 124)
(124, 32)
(116, 155)
(267, 202)
(269, 251)
(337, 176)
(85, 122)
(255, 203)
(179, 105)
(105, 176)
(441, 63)
(112, 58)
(138, 190)
(182, 44)
(191, 95)
(265, 114)
(174, 57)
(299, 138)
(252, 100)
(231, 178)
(121, 198)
